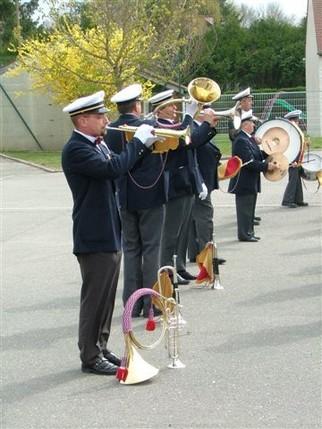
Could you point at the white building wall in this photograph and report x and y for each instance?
(50, 126)
(313, 79)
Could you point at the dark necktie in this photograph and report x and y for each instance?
(104, 149)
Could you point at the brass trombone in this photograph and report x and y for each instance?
(201, 89)
(205, 91)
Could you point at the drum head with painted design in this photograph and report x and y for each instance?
(280, 136)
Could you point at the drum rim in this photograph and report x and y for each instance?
(318, 157)
(292, 126)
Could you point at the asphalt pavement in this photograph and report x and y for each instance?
(252, 351)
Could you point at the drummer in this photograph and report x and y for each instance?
(247, 185)
(293, 195)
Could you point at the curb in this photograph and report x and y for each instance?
(31, 164)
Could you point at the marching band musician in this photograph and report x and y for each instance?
(90, 169)
(245, 101)
(201, 226)
(184, 181)
(246, 185)
(141, 195)
(293, 195)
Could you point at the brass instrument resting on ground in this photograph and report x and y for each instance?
(134, 369)
(207, 261)
(168, 288)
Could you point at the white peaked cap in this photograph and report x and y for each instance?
(293, 114)
(248, 116)
(162, 96)
(93, 103)
(242, 94)
(130, 93)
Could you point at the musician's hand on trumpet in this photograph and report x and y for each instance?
(146, 134)
(192, 108)
(209, 115)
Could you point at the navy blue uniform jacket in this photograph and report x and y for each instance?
(208, 156)
(144, 186)
(248, 180)
(182, 164)
(90, 176)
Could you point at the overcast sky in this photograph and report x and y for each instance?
(296, 8)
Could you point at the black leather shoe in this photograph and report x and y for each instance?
(111, 357)
(256, 222)
(257, 238)
(250, 239)
(302, 204)
(221, 261)
(257, 218)
(290, 205)
(185, 275)
(101, 367)
(181, 280)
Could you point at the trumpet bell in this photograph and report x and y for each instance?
(138, 369)
(204, 90)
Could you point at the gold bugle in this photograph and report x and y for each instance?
(169, 137)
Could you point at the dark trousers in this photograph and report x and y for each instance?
(201, 226)
(175, 231)
(245, 210)
(141, 247)
(100, 273)
(293, 192)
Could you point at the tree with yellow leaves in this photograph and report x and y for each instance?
(121, 42)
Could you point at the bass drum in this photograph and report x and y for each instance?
(281, 136)
(311, 166)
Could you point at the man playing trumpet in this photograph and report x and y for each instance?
(141, 195)
(185, 181)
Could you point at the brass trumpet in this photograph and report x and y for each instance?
(169, 138)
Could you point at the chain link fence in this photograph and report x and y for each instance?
(267, 106)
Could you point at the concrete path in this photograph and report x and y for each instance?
(252, 351)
